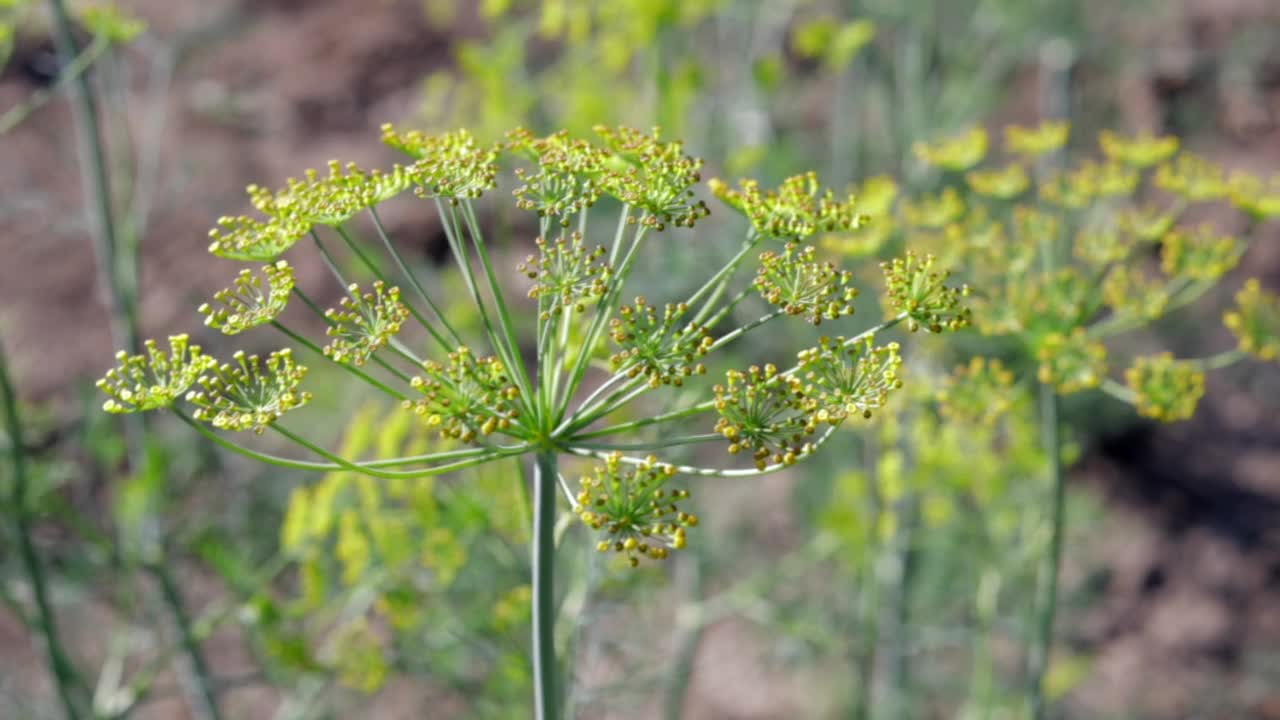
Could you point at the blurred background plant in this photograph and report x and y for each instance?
(898, 581)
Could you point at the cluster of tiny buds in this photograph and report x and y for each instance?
(795, 210)
(250, 394)
(797, 282)
(641, 517)
(566, 274)
(1167, 390)
(846, 379)
(365, 323)
(469, 397)
(654, 347)
(765, 413)
(248, 303)
(920, 291)
(155, 379)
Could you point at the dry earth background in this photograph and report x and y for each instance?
(1190, 550)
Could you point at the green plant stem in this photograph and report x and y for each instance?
(688, 636)
(899, 681)
(46, 620)
(544, 614)
(353, 370)
(199, 675)
(97, 185)
(413, 281)
(1038, 659)
(474, 456)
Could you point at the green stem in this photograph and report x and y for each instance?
(353, 370)
(97, 185)
(199, 676)
(1038, 660)
(544, 614)
(417, 286)
(688, 638)
(59, 664)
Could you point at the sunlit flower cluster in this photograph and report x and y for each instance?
(848, 379)
(1255, 321)
(467, 397)
(798, 283)
(249, 394)
(250, 301)
(766, 414)
(642, 518)
(154, 380)
(1167, 390)
(365, 323)
(916, 287)
(665, 348)
(566, 274)
(794, 211)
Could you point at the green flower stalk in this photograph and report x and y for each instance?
(574, 389)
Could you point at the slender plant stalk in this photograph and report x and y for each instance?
(544, 611)
(1038, 660)
(123, 309)
(899, 700)
(198, 676)
(46, 621)
(688, 638)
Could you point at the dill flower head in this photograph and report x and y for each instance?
(153, 380)
(449, 165)
(250, 302)
(662, 348)
(794, 210)
(844, 380)
(1260, 200)
(467, 397)
(915, 287)
(1255, 321)
(957, 153)
(1142, 151)
(332, 199)
(765, 413)
(1071, 362)
(1167, 390)
(641, 517)
(250, 394)
(655, 176)
(1003, 183)
(1132, 291)
(566, 274)
(978, 393)
(1199, 253)
(1032, 143)
(365, 323)
(1193, 177)
(253, 240)
(795, 281)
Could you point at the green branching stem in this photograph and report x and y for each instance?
(202, 689)
(461, 459)
(1042, 646)
(380, 362)
(718, 282)
(374, 382)
(66, 681)
(451, 232)
(546, 691)
(581, 420)
(415, 284)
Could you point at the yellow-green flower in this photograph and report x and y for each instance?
(978, 393)
(630, 503)
(365, 323)
(916, 287)
(1130, 291)
(246, 238)
(1035, 142)
(766, 414)
(957, 153)
(449, 165)
(466, 398)
(1071, 362)
(251, 394)
(154, 380)
(795, 210)
(248, 304)
(664, 349)
(846, 380)
(1142, 151)
(798, 283)
(1194, 178)
(1255, 321)
(1261, 200)
(1167, 390)
(1003, 183)
(1199, 254)
(933, 212)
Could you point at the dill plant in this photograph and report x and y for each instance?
(493, 400)
(1066, 259)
